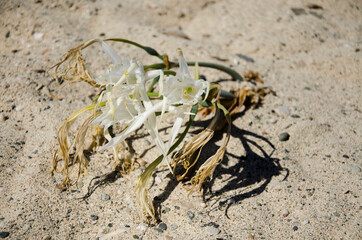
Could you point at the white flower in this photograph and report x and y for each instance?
(182, 89)
(127, 100)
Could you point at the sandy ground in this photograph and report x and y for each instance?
(309, 188)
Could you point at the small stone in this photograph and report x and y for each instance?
(285, 213)
(105, 197)
(80, 184)
(147, 142)
(7, 35)
(251, 236)
(174, 226)
(295, 228)
(94, 217)
(158, 180)
(191, 215)
(305, 222)
(142, 227)
(284, 137)
(230, 201)
(48, 238)
(214, 230)
(203, 205)
(110, 225)
(295, 116)
(337, 214)
(19, 107)
(6, 85)
(282, 111)
(4, 234)
(354, 168)
(2, 118)
(272, 120)
(38, 36)
(162, 226)
(135, 236)
(166, 210)
(168, 237)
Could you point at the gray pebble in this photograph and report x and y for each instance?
(94, 217)
(174, 226)
(105, 197)
(4, 234)
(282, 111)
(162, 226)
(295, 228)
(354, 168)
(191, 215)
(214, 230)
(284, 137)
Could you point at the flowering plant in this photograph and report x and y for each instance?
(128, 99)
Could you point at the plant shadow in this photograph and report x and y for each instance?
(249, 176)
(100, 181)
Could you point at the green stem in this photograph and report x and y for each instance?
(233, 74)
(149, 50)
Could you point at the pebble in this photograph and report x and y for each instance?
(203, 205)
(295, 228)
(354, 168)
(282, 111)
(305, 222)
(158, 180)
(4, 234)
(94, 217)
(19, 107)
(80, 184)
(6, 85)
(162, 226)
(191, 215)
(2, 118)
(105, 197)
(142, 227)
(272, 120)
(166, 210)
(284, 137)
(230, 201)
(285, 213)
(214, 230)
(174, 226)
(38, 36)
